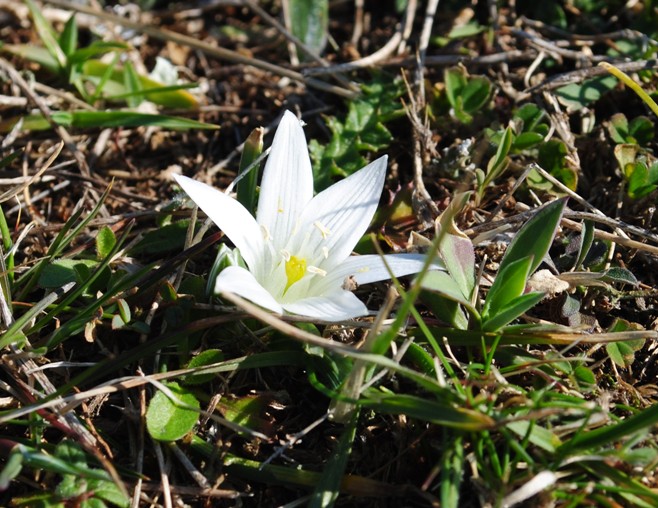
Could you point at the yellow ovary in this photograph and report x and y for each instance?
(295, 270)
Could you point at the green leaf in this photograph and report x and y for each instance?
(310, 22)
(553, 158)
(584, 377)
(579, 95)
(455, 81)
(11, 468)
(440, 413)
(133, 85)
(536, 236)
(247, 186)
(446, 309)
(476, 93)
(527, 140)
(620, 275)
(618, 128)
(63, 271)
(509, 284)
(108, 119)
(511, 311)
(105, 242)
(47, 35)
(207, 357)
(124, 310)
(166, 420)
(362, 130)
(82, 56)
(641, 179)
(172, 97)
(169, 238)
(605, 436)
(68, 39)
(536, 434)
(498, 162)
(641, 130)
(586, 240)
(623, 352)
(444, 284)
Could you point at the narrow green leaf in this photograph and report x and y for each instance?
(39, 460)
(499, 162)
(452, 471)
(536, 236)
(203, 359)
(328, 488)
(109, 119)
(11, 469)
(536, 434)
(440, 413)
(511, 311)
(14, 334)
(133, 85)
(586, 240)
(247, 186)
(95, 49)
(509, 284)
(153, 91)
(36, 54)
(47, 35)
(610, 434)
(620, 275)
(68, 39)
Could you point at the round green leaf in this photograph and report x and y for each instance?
(166, 420)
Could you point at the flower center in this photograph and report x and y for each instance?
(295, 270)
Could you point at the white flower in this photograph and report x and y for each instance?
(298, 247)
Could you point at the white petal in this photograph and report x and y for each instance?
(371, 268)
(237, 280)
(230, 216)
(335, 306)
(345, 209)
(287, 184)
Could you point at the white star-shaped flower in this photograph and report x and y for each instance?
(298, 247)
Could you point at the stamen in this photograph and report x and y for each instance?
(295, 270)
(325, 252)
(265, 232)
(324, 231)
(317, 271)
